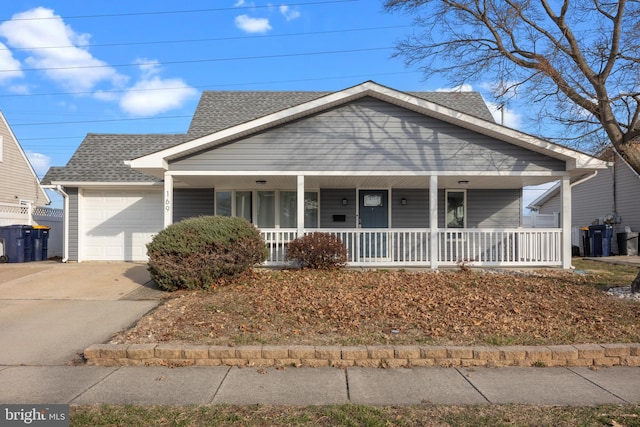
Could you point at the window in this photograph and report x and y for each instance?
(266, 209)
(244, 205)
(273, 208)
(223, 203)
(456, 206)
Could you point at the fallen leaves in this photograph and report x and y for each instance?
(358, 307)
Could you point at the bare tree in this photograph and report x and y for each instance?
(579, 60)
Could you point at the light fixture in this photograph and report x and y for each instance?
(261, 181)
(345, 202)
(463, 182)
(403, 201)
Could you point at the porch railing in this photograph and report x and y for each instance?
(410, 247)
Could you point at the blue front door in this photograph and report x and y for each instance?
(374, 213)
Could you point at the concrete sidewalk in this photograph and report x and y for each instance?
(318, 386)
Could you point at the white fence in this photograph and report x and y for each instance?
(537, 220)
(410, 247)
(15, 214)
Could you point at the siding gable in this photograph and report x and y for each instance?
(364, 135)
(18, 181)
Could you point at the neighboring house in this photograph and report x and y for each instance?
(611, 194)
(18, 181)
(424, 179)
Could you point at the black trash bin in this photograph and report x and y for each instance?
(17, 241)
(600, 236)
(39, 239)
(586, 242)
(628, 243)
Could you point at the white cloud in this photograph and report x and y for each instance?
(19, 89)
(40, 162)
(252, 25)
(73, 67)
(511, 118)
(461, 88)
(288, 13)
(8, 62)
(152, 95)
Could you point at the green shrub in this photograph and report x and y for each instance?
(318, 250)
(198, 252)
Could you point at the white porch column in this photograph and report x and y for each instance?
(565, 217)
(168, 200)
(300, 205)
(433, 221)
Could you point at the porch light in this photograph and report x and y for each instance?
(261, 181)
(403, 201)
(463, 182)
(345, 202)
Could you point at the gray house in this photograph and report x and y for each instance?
(426, 179)
(611, 195)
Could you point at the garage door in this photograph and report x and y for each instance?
(118, 224)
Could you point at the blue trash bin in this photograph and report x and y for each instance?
(39, 239)
(17, 241)
(600, 236)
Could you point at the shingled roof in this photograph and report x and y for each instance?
(101, 157)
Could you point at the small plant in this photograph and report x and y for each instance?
(318, 250)
(198, 252)
(539, 364)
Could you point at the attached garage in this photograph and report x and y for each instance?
(117, 225)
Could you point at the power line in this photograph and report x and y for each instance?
(169, 12)
(192, 61)
(311, 33)
(204, 87)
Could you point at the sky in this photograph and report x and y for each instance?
(68, 68)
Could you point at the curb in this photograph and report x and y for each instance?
(174, 355)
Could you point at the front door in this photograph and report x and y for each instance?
(374, 213)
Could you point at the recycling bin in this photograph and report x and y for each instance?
(39, 239)
(600, 236)
(628, 243)
(17, 242)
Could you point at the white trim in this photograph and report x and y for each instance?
(565, 195)
(167, 205)
(433, 220)
(573, 158)
(300, 205)
(81, 184)
(367, 173)
(81, 225)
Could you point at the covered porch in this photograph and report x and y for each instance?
(426, 220)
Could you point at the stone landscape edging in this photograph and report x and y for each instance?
(601, 355)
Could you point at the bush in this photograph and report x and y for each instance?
(197, 252)
(318, 250)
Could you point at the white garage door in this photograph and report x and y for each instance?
(118, 224)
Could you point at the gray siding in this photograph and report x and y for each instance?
(188, 203)
(591, 200)
(415, 214)
(73, 223)
(628, 196)
(494, 208)
(368, 135)
(331, 204)
(551, 206)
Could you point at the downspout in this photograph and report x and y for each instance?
(580, 181)
(65, 221)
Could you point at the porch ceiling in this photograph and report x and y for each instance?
(288, 182)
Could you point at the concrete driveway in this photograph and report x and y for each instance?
(50, 312)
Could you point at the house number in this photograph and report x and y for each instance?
(167, 203)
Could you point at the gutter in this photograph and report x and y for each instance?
(585, 179)
(65, 224)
